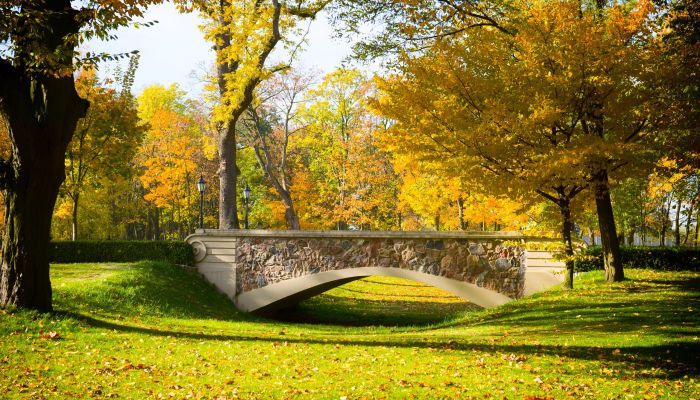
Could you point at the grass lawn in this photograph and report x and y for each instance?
(150, 330)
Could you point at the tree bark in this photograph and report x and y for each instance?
(665, 214)
(42, 110)
(228, 170)
(460, 211)
(677, 231)
(606, 224)
(566, 228)
(74, 218)
(697, 227)
(691, 209)
(228, 177)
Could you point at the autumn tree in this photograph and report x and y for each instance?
(269, 123)
(338, 139)
(244, 34)
(172, 157)
(38, 99)
(529, 102)
(105, 140)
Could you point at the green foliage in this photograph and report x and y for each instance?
(656, 258)
(120, 251)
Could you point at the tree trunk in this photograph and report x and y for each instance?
(697, 227)
(436, 221)
(30, 181)
(664, 225)
(155, 231)
(592, 237)
(606, 224)
(677, 231)
(643, 226)
(228, 177)
(566, 228)
(460, 210)
(691, 209)
(74, 218)
(290, 214)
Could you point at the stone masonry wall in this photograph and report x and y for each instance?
(485, 263)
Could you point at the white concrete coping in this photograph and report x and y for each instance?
(312, 234)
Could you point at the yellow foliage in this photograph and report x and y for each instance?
(171, 154)
(565, 94)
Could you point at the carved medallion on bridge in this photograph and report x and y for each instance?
(486, 263)
(200, 251)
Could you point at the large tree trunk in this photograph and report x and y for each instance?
(28, 208)
(42, 112)
(228, 176)
(32, 179)
(606, 224)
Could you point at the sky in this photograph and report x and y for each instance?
(174, 49)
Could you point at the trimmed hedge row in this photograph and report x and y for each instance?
(657, 258)
(120, 251)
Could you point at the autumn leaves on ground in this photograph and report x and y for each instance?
(150, 330)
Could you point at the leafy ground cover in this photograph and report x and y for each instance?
(150, 330)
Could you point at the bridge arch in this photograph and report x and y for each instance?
(295, 290)
(264, 270)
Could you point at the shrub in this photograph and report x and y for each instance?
(85, 251)
(656, 258)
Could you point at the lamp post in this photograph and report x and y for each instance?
(246, 197)
(201, 185)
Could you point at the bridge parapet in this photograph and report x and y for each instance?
(244, 263)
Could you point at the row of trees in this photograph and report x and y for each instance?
(308, 149)
(487, 101)
(301, 142)
(556, 96)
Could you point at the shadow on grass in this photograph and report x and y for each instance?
(670, 361)
(336, 310)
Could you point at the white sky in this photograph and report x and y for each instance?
(175, 47)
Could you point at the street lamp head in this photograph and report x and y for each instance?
(201, 185)
(246, 192)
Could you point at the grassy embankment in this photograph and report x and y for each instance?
(151, 330)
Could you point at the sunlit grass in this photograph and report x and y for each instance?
(151, 330)
(380, 300)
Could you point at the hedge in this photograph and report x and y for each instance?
(120, 251)
(657, 258)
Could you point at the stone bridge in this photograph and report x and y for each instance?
(265, 270)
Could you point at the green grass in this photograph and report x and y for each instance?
(150, 330)
(379, 301)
